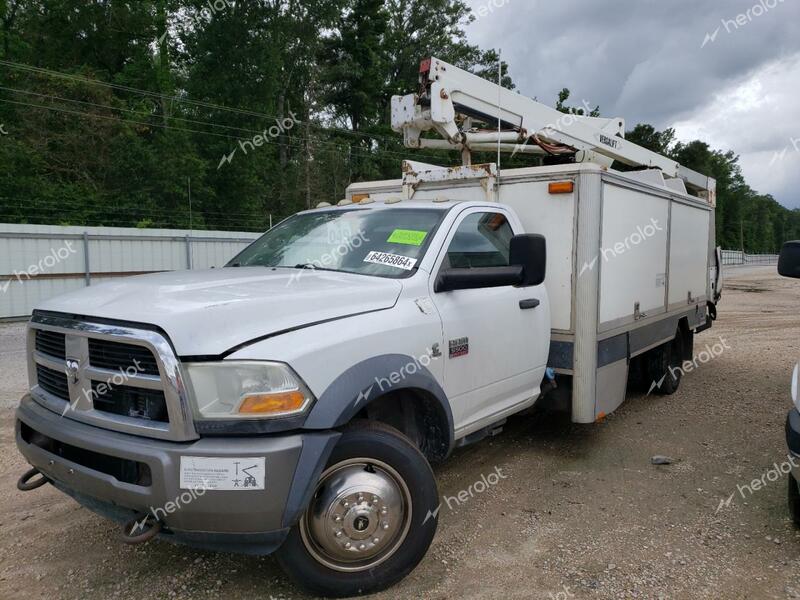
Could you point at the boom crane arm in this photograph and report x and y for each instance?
(451, 97)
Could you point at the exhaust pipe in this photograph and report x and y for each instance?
(140, 529)
(26, 483)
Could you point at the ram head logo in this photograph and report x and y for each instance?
(73, 370)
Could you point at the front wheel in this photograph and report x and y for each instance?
(369, 521)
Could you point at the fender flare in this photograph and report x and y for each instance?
(364, 382)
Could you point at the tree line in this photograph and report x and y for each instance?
(226, 114)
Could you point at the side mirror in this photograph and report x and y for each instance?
(481, 277)
(789, 262)
(530, 252)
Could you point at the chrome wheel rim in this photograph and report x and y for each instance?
(359, 515)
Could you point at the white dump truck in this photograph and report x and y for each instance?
(294, 401)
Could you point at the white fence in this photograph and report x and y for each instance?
(41, 261)
(737, 257)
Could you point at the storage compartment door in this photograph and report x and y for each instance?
(633, 255)
(688, 254)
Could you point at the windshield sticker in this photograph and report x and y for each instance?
(391, 260)
(409, 237)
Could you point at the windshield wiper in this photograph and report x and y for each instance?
(309, 266)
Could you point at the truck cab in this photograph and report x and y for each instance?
(295, 399)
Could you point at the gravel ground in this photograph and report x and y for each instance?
(580, 511)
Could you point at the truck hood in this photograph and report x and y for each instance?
(211, 311)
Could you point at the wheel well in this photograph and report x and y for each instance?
(417, 415)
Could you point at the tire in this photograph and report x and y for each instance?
(664, 366)
(794, 500)
(375, 481)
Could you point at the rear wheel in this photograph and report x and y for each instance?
(368, 524)
(664, 366)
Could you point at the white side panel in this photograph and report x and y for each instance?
(688, 253)
(633, 253)
(553, 216)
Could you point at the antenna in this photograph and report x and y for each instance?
(189, 181)
(499, 102)
(499, 116)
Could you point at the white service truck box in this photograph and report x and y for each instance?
(631, 261)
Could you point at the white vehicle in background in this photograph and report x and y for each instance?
(309, 385)
(789, 266)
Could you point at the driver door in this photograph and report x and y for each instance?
(496, 339)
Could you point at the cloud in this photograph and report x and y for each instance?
(756, 118)
(644, 60)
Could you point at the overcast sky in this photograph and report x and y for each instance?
(686, 64)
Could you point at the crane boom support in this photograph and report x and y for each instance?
(450, 94)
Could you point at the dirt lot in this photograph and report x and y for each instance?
(580, 512)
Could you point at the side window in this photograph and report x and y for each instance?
(481, 240)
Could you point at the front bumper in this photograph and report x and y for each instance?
(252, 521)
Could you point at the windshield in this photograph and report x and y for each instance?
(385, 243)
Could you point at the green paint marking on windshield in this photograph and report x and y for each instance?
(409, 237)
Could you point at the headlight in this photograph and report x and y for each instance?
(246, 390)
(795, 377)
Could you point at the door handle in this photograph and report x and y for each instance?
(529, 303)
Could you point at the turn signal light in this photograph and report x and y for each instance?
(278, 403)
(562, 187)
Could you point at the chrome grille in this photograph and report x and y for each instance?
(108, 375)
(113, 355)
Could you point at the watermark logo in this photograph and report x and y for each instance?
(208, 11)
(72, 370)
(281, 126)
(3, 129)
(566, 120)
(415, 365)
(479, 487)
(564, 594)
(487, 9)
(47, 262)
(634, 239)
(346, 243)
(710, 38)
(211, 9)
(776, 472)
(742, 19)
(411, 368)
(781, 154)
(171, 507)
(703, 357)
